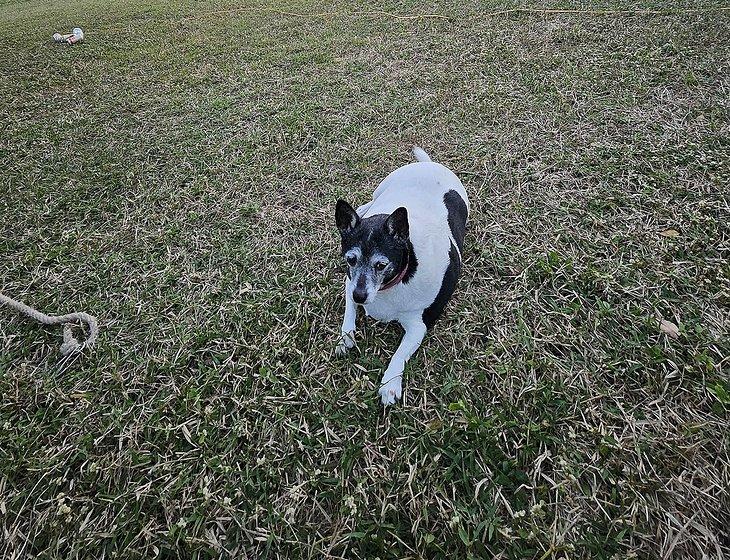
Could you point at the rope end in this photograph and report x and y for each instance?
(70, 344)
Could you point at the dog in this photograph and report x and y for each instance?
(403, 255)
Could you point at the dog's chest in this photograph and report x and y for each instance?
(388, 307)
(404, 300)
(381, 311)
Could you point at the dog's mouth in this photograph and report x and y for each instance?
(381, 287)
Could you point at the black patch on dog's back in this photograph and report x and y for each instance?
(448, 285)
(458, 212)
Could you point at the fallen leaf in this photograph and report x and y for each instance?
(669, 328)
(669, 233)
(188, 436)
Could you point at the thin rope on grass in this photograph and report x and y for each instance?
(662, 12)
(548, 11)
(70, 344)
(322, 14)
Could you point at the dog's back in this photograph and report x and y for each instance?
(438, 207)
(432, 194)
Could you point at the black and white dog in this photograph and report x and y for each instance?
(403, 252)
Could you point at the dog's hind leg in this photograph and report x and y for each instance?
(391, 384)
(347, 335)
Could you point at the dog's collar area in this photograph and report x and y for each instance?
(398, 277)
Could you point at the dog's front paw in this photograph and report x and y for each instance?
(390, 389)
(347, 341)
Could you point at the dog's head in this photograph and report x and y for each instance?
(375, 249)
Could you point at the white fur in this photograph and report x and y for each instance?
(347, 337)
(420, 187)
(420, 154)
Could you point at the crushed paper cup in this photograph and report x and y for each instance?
(76, 36)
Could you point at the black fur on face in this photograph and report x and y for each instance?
(345, 216)
(376, 248)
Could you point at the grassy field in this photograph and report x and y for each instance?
(176, 175)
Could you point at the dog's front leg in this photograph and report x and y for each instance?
(347, 335)
(391, 384)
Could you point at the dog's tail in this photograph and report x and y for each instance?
(420, 154)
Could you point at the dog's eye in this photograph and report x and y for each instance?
(352, 260)
(380, 266)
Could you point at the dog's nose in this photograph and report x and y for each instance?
(359, 295)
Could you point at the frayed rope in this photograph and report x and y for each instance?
(70, 344)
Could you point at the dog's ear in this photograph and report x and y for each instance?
(345, 216)
(397, 224)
